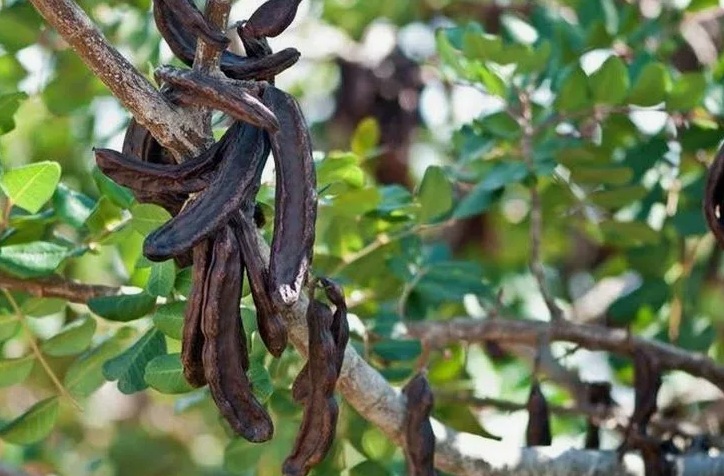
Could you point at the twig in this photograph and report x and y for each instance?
(591, 337)
(36, 350)
(57, 287)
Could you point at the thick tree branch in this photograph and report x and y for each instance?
(57, 287)
(591, 337)
(167, 123)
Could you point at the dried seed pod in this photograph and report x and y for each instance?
(140, 176)
(271, 324)
(224, 353)
(245, 149)
(295, 199)
(182, 42)
(419, 437)
(271, 18)
(192, 343)
(199, 89)
(598, 394)
(340, 331)
(319, 422)
(714, 197)
(189, 18)
(256, 47)
(647, 382)
(538, 432)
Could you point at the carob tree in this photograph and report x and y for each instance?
(212, 200)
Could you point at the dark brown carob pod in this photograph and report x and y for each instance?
(319, 421)
(183, 44)
(714, 197)
(271, 324)
(244, 151)
(225, 355)
(598, 395)
(271, 18)
(419, 443)
(192, 343)
(190, 19)
(256, 47)
(195, 88)
(538, 431)
(295, 199)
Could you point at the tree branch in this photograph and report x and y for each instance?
(167, 123)
(591, 337)
(57, 287)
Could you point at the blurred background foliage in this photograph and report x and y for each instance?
(434, 121)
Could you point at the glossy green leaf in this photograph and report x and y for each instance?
(619, 197)
(73, 339)
(161, 281)
(123, 307)
(393, 350)
(165, 374)
(14, 371)
(9, 105)
(340, 168)
(31, 260)
(31, 186)
(42, 306)
(688, 92)
(169, 319)
(573, 95)
(104, 217)
(369, 467)
(9, 325)
(434, 194)
(610, 83)
(261, 383)
(365, 137)
(33, 425)
(628, 234)
(651, 86)
(147, 217)
(356, 202)
(120, 196)
(72, 207)
(85, 375)
(130, 366)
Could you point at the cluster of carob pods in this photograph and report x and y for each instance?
(214, 228)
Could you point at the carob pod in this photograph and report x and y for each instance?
(183, 44)
(316, 433)
(271, 324)
(190, 19)
(225, 355)
(714, 197)
(256, 47)
(340, 331)
(198, 89)
(419, 438)
(598, 395)
(538, 431)
(244, 151)
(295, 199)
(192, 343)
(271, 18)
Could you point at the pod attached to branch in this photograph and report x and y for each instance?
(419, 441)
(714, 197)
(538, 431)
(271, 18)
(192, 343)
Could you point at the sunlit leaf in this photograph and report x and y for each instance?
(14, 371)
(73, 339)
(129, 367)
(165, 374)
(31, 186)
(169, 319)
(33, 425)
(30, 260)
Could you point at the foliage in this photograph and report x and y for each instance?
(612, 143)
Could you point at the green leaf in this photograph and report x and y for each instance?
(31, 260)
(169, 319)
(687, 93)
(368, 467)
(356, 202)
(163, 276)
(124, 307)
(165, 374)
(14, 371)
(85, 374)
(33, 425)
(477, 201)
(117, 194)
(72, 207)
(130, 366)
(434, 194)
(261, 383)
(482, 46)
(42, 306)
(30, 186)
(619, 197)
(365, 137)
(104, 217)
(501, 125)
(629, 234)
(73, 339)
(392, 350)
(9, 325)
(573, 94)
(651, 86)
(340, 168)
(610, 83)
(147, 217)
(602, 175)
(9, 105)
